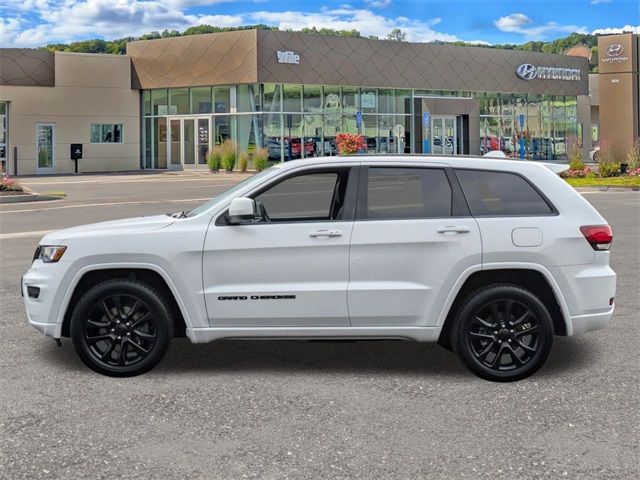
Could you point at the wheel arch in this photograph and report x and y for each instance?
(150, 274)
(534, 278)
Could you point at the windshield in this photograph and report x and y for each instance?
(230, 192)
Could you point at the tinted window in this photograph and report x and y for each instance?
(317, 196)
(394, 193)
(500, 193)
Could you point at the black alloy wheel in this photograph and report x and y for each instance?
(121, 328)
(503, 333)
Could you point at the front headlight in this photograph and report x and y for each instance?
(49, 253)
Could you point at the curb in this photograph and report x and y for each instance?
(28, 197)
(619, 188)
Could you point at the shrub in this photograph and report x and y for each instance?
(8, 184)
(574, 154)
(214, 159)
(584, 172)
(633, 155)
(243, 162)
(349, 143)
(608, 169)
(260, 159)
(634, 172)
(228, 158)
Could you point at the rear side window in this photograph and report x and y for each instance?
(501, 194)
(401, 193)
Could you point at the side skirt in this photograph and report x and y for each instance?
(418, 334)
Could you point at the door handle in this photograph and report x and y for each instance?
(451, 229)
(325, 233)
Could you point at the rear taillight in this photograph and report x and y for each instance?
(598, 236)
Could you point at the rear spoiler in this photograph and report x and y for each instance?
(554, 167)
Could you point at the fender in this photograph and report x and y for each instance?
(107, 266)
(508, 266)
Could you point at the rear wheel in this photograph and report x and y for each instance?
(503, 333)
(121, 328)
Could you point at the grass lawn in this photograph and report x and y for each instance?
(604, 182)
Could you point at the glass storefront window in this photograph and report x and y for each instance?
(370, 132)
(160, 142)
(201, 100)
(248, 98)
(146, 102)
(178, 100)
(312, 99)
(386, 101)
(369, 100)
(293, 147)
(350, 103)
(159, 102)
(507, 104)
(147, 146)
(273, 136)
(222, 99)
(313, 134)
(292, 98)
(249, 137)
(222, 129)
(403, 101)
(272, 97)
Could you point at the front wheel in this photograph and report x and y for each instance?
(503, 333)
(121, 328)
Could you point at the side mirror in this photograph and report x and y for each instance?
(242, 210)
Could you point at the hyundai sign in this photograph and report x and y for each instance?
(527, 71)
(614, 53)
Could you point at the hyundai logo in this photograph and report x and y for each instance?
(526, 71)
(614, 50)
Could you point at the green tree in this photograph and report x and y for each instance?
(398, 35)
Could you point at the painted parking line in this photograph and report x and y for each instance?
(167, 179)
(15, 235)
(106, 204)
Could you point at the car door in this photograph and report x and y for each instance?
(292, 268)
(412, 239)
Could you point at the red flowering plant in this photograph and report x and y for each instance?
(8, 184)
(349, 143)
(634, 172)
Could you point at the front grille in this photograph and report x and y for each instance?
(37, 254)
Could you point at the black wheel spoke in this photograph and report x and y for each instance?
(139, 347)
(122, 357)
(482, 335)
(497, 357)
(484, 323)
(106, 355)
(98, 338)
(521, 319)
(514, 356)
(134, 308)
(494, 314)
(526, 331)
(117, 301)
(106, 311)
(96, 324)
(144, 335)
(142, 319)
(507, 310)
(526, 348)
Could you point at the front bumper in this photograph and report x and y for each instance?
(41, 313)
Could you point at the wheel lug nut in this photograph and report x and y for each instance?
(117, 322)
(511, 331)
(510, 340)
(119, 337)
(128, 334)
(495, 333)
(499, 341)
(112, 330)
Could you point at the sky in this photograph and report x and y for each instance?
(34, 23)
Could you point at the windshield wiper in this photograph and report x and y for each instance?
(182, 214)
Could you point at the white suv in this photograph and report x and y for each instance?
(488, 257)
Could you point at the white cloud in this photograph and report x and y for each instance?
(521, 23)
(348, 18)
(378, 3)
(70, 20)
(614, 30)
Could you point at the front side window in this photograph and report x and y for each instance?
(317, 196)
(406, 193)
(491, 193)
(106, 133)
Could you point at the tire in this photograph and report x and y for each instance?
(121, 328)
(502, 333)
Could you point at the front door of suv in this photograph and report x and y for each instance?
(412, 239)
(292, 269)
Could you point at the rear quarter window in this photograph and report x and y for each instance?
(491, 193)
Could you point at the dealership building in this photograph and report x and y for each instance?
(168, 102)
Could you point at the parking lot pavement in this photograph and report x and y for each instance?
(277, 409)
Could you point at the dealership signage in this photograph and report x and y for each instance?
(288, 57)
(527, 71)
(614, 53)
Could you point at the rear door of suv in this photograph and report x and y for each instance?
(412, 238)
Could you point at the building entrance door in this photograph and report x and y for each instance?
(189, 142)
(444, 135)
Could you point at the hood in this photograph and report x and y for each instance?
(114, 227)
